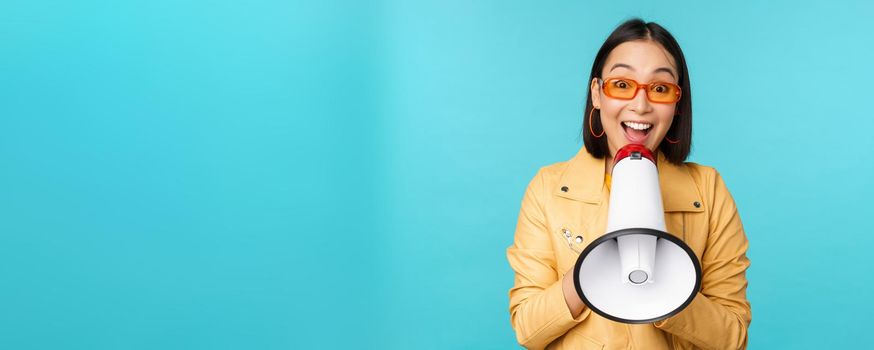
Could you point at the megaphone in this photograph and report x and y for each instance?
(636, 272)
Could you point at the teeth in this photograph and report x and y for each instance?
(637, 126)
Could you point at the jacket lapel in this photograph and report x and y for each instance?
(583, 183)
(679, 192)
(583, 180)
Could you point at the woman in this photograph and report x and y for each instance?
(565, 208)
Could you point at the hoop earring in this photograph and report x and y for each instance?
(591, 130)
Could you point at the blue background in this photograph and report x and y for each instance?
(271, 175)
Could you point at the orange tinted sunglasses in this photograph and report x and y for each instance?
(626, 89)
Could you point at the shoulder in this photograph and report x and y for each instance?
(554, 171)
(548, 176)
(710, 183)
(701, 173)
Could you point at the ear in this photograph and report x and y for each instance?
(595, 90)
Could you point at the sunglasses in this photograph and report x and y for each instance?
(626, 89)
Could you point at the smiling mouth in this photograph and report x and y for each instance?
(636, 132)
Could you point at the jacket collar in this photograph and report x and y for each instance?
(583, 180)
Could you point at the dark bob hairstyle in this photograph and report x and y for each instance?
(681, 128)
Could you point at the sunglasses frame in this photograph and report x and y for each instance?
(641, 86)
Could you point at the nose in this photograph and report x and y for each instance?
(640, 103)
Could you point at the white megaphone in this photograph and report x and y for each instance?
(636, 272)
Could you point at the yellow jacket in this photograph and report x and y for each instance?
(571, 196)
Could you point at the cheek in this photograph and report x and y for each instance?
(665, 117)
(610, 111)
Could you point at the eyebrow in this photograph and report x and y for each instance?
(660, 69)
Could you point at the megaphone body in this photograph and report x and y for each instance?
(636, 272)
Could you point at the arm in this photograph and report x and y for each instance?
(540, 311)
(719, 315)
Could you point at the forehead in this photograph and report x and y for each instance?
(644, 58)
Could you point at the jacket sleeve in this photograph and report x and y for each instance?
(719, 315)
(538, 311)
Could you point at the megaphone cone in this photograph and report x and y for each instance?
(636, 272)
